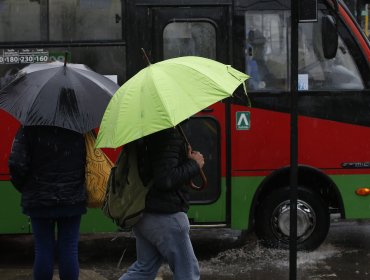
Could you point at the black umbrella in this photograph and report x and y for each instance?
(71, 96)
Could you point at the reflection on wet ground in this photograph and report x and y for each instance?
(344, 255)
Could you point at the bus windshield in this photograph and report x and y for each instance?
(267, 56)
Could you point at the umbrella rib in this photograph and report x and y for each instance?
(85, 72)
(162, 100)
(196, 70)
(191, 97)
(41, 88)
(217, 82)
(240, 80)
(21, 96)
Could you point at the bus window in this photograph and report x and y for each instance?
(14, 15)
(203, 133)
(106, 60)
(339, 73)
(88, 20)
(60, 20)
(189, 38)
(266, 45)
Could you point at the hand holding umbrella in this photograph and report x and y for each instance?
(198, 157)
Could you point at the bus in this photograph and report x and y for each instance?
(246, 148)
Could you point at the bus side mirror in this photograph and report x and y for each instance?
(329, 35)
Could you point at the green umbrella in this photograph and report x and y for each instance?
(164, 94)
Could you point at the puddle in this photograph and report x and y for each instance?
(252, 257)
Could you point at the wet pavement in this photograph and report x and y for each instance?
(345, 255)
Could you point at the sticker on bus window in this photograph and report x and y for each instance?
(302, 82)
(243, 120)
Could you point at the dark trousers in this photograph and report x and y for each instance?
(56, 237)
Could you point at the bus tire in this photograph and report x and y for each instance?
(272, 219)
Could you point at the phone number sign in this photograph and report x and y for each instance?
(24, 56)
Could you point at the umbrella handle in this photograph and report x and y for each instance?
(202, 175)
(204, 182)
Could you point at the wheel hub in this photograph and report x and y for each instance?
(306, 220)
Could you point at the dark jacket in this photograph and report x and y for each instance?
(172, 172)
(47, 165)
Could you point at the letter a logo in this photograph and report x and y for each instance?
(243, 121)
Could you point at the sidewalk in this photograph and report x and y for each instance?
(26, 273)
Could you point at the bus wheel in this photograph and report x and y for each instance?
(273, 214)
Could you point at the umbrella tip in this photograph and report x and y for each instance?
(146, 57)
(65, 58)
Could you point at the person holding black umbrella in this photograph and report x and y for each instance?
(47, 166)
(56, 104)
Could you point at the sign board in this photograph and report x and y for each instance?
(243, 120)
(23, 56)
(28, 56)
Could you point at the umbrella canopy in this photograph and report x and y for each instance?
(71, 96)
(164, 94)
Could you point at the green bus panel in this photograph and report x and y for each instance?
(355, 207)
(13, 221)
(210, 213)
(96, 221)
(11, 218)
(242, 193)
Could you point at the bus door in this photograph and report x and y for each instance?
(198, 31)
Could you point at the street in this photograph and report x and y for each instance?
(344, 255)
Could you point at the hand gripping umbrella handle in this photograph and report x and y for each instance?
(201, 173)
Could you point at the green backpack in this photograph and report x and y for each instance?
(128, 185)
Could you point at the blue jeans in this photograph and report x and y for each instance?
(159, 238)
(47, 247)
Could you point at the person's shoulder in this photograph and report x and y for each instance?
(164, 138)
(27, 130)
(163, 134)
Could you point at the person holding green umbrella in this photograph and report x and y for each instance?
(153, 104)
(162, 234)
